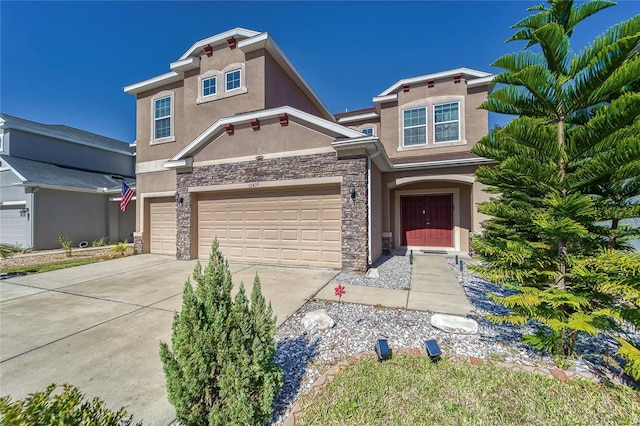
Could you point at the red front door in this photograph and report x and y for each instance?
(427, 220)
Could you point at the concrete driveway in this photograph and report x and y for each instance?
(98, 326)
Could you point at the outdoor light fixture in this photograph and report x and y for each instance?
(179, 199)
(433, 350)
(382, 350)
(24, 212)
(352, 190)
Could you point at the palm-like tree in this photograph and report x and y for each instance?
(576, 130)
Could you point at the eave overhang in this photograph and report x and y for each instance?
(359, 117)
(468, 73)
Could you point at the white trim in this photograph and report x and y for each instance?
(152, 83)
(444, 163)
(430, 178)
(15, 172)
(435, 76)
(1, 140)
(219, 39)
(386, 98)
(267, 113)
(226, 80)
(331, 180)
(178, 164)
(134, 198)
(185, 64)
(480, 81)
(358, 117)
(455, 192)
(265, 41)
(13, 203)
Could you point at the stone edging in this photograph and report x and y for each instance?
(331, 373)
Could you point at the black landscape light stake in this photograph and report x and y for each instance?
(456, 259)
(433, 350)
(382, 350)
(410, 257)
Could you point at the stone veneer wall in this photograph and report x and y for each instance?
(355, 247)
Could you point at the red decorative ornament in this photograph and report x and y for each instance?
(340, 290)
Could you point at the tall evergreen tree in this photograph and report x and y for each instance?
(220, 369)
(567, 166)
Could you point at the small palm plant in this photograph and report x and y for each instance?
(120, 248)
(66, 244)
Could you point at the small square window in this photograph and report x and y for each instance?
(367, 131)
(232, 79)
(209, 86)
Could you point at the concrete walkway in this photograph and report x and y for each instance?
(434, 288)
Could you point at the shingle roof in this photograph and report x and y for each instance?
(65, 132)
(50, 175)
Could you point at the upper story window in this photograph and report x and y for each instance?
(163, 115)
(414, 125)
(446, 122)
(232, 79)
(367, 131)
(209, 86)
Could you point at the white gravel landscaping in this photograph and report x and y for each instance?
(305, 355)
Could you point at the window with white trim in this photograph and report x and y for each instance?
(446, 122)
(232, 80)
(209, 86)
(162, 117)
(367, 131)
(414, 125)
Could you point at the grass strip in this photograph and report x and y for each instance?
(53, 266)
(410, 390)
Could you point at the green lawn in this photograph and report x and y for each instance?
(53, 266)
(410, 390)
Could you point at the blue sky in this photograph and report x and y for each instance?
(67, 62)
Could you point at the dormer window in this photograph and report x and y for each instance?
(209, 86)
(415, 126)
(446, 122)
(232, 79)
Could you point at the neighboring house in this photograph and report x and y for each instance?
(233, 144)
(57, 180)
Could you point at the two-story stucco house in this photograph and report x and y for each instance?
(233, 144)
(57, 180)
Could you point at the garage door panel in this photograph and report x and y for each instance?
(162, 232)
(290, 227)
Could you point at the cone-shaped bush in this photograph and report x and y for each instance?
(220, 368)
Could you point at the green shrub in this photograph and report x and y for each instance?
(67, 407)
(100, 242)
(120, 248)
(66, 244)
(220, 368)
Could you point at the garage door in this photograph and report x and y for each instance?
(13, 227)
(163, 227)
(284, 227)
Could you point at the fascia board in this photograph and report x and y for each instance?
(386, 98)
(359, 117)
(480, 81)
(434, 76)
(267, 113)
(65, 138)
(13, 170)
(219, 39)
(152, 83)
(265, 41)
(98, 190)
(443, 163)
(185, 64)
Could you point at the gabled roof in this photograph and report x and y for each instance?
(327, 127)
(247, 41)
(468, 73)
(45, 175)
(70, 134)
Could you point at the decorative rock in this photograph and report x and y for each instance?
(454, 324)
(317, 320)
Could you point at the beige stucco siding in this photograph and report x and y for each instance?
(270, 138)
(280, 90)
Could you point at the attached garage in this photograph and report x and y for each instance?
(162, 220)
(293, 227)
(14, 226)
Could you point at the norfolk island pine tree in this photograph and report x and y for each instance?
(566, 171)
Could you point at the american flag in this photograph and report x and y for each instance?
(127, 195)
